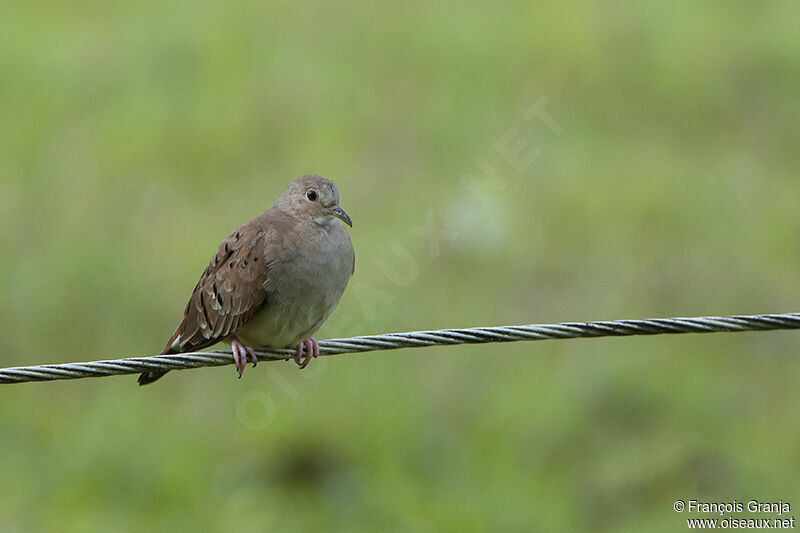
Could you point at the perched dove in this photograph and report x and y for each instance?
(272, 282)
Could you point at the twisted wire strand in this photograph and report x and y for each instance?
(413, 339)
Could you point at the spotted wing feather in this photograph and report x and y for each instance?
(230, 291)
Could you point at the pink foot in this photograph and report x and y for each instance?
(241, 354)
(312, 350)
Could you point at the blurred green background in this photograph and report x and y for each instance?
(664, 182)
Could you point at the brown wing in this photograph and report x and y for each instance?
(229, 293)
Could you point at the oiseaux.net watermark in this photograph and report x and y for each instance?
(752, 514)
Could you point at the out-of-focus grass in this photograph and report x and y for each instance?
(135, 136)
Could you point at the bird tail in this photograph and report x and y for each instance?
(145, 378)
(150, 376)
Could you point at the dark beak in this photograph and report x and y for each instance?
(339, 213)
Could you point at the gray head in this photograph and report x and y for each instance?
(315, 197)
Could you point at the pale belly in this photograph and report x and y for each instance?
(299, 301)
(285, 325)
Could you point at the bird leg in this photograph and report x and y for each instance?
(312, 350)
(241, 352)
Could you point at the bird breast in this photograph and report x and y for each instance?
(302, 290)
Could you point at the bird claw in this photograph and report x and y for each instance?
(311, 350)
(241, 353)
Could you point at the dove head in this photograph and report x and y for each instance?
(315, 197)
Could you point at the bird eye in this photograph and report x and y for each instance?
(311, 194)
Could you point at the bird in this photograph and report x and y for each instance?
(272, 282)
